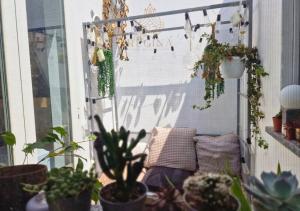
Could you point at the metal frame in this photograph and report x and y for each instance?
(249, 4)
(4, 91)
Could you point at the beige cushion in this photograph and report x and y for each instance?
(218, 154)
(172, 147)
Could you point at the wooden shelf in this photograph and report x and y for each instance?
(293, 145)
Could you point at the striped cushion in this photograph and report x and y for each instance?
(219, 154)
(173, 148)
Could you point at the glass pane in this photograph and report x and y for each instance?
(3, 103)
(49, 69)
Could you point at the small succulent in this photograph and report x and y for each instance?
(67, 182)
(114, 152)
(276, 192)
(279, 114)
(209, 191)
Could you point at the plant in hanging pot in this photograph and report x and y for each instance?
(277, 122)
(68, 189)
(114, 152)
(210, 191)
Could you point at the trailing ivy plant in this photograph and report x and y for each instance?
(214, 54)
(106, 81)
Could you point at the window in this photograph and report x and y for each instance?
(290, 43)
(4, 152)
(49, 69)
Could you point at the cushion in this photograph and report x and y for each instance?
(219, 154)
(173, 148)
(156, 177)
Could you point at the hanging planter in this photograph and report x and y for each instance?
(232, 68)
(214, 69)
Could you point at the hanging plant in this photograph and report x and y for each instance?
(104, 61)
(214, 54)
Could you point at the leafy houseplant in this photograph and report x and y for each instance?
(209, 192)
(277, 122)
(12, 195)
(276, 192)
(115, 156)
(69, 189)
(214, 54)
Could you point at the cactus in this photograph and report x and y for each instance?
(276, 192)
(209, 191)
(114, 153)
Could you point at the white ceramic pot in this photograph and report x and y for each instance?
(290, 97)
(232, 69)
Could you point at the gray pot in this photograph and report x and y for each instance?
(135, 205)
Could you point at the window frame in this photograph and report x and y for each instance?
(290, 69)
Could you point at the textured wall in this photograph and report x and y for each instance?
(267, 36)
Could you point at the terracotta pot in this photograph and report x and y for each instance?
(277, 124)
(12, 195)
(134, 205)
(290, 133)
(80, 203)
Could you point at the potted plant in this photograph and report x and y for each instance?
(277, 122)
(13, 197)
(290, 131)
(114, 152)
(209, 191)
(214, 57)
(275, 192)
(68, 189)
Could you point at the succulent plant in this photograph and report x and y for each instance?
(67, 182)
(275, 192)
(209, 191)
(114, 152)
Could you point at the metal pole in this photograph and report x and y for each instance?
(88, 87)
(173, 28)
(173, 12)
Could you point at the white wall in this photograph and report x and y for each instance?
(267, 37)
(157, 90)
(77, 12)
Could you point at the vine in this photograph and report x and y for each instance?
(214, 54)
(106, 80)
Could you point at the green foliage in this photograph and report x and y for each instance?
(114, 152)
(275, 192)
(8, 138)
(106, 79)
(237, 191)
(56, 137)
(214, 54)
(279, 114)
(67, 182)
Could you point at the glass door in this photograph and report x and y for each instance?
(49, 70)
(4, 151)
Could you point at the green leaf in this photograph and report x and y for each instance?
(8, 138)
(278, 168)
(96, 191)
(79, 166)
(60, 130)
(238, 192)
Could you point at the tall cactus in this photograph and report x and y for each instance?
(115, 155)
